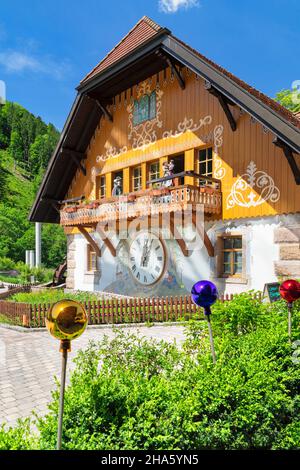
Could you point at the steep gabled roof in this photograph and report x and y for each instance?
(144, 30)
(140, 54)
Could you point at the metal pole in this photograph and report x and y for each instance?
(64, 348)
(31, 258)
(27, 257)
(290, 308)
(211, 339)
(38, 226)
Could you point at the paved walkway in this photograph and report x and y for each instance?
(29, 361)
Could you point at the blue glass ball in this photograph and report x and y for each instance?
(204, 293)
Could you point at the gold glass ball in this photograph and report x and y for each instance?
(66, 320)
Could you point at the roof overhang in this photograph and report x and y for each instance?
(282, 128)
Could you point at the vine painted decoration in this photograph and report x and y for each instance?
(253, 189)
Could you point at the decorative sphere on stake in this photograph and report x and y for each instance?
(205, 294)
(66, 320)
(290, 292)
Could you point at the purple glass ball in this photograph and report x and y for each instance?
(204, 293)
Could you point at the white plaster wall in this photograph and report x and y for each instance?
(260, 253)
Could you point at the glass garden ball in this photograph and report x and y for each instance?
(290, 290)
(204, 293)
(66, 320)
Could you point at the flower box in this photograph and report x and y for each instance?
(70, 210)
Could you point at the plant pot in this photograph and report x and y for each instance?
(70, 210)
(164, 191)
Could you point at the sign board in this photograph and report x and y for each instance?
(271, 291)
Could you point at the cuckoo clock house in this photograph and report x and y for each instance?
(155, 129)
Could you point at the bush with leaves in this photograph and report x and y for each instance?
(6, 264)
(243, 314)
(133, 393)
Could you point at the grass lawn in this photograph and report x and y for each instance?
(51, 296)
(4, 319)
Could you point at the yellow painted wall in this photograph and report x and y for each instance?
(187, 120)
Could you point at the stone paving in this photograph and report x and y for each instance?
(30, 361)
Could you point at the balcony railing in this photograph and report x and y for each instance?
(148, 202)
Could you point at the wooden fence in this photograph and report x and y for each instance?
(113, 311)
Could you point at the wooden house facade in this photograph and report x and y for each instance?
(170, 170)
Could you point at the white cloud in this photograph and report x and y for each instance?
(172, 6)
(17, 62)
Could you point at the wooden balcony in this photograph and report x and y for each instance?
(143, 203)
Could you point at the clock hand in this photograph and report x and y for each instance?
(147, 255)
(145, 247)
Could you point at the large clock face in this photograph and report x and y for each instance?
(147, 258)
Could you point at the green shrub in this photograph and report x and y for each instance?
(240, 315)
(18, 438)
(155, 396)
(133, 393)
(6, 264)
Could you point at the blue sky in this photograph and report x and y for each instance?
(47, 47)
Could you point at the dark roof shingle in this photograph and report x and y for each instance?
(144, 30)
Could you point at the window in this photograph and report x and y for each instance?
(205, 162)
(92, 261)
(137, 178)
(153, 170)
(101, 187)
(232, 256)
(144, 109)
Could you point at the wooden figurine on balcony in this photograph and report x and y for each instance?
(117, 189)
(179, 135)
(168, 169)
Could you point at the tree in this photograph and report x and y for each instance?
(290, 99)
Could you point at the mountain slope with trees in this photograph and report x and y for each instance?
(26, 144)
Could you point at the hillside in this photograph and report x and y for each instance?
(26, 144)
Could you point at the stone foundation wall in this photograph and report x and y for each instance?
(288, 239)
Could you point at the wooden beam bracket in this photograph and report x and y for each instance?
(178, 238)
(206, 240)
(174, 69)
(76, 157)
(107, 243)
(224, 102)
(53, 202)
(102, 107)
(288, 153)
(89, 239)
